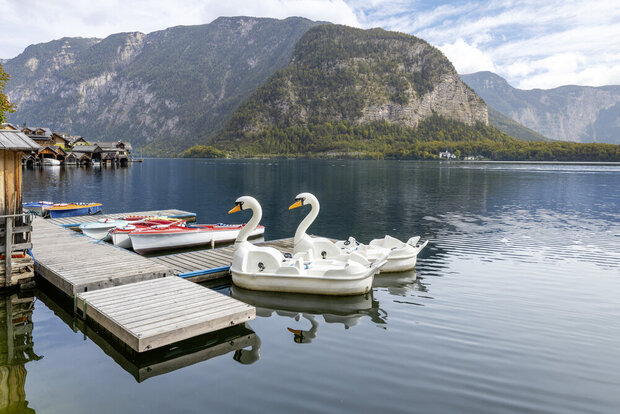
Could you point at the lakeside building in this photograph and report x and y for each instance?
(71, 149)
(447, 155)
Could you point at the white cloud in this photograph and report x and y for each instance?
(467, 58)
(531, 43)
(36, 21)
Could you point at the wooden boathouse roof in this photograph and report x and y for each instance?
(17, 141)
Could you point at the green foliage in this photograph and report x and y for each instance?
(5, 105)
(203, 151)
(386, 140)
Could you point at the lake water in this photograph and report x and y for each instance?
(515, 305)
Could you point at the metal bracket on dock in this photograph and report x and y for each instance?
(75, 306)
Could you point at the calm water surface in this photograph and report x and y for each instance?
(515, 305)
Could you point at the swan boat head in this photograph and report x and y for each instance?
(247, 203)
(320, 246)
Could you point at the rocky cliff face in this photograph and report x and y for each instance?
(164, 91)
(570, 113)
(338, 73)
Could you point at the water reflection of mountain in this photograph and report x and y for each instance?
(16, 350)
(345, 310)
(161, 360)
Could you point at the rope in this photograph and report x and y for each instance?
(32, 255)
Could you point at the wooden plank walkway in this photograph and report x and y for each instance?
(76, 221)
(75, 263)
(162, 360)
(201, 265)
(155, 313)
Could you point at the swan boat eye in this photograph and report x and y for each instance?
(240, 204)
(301, 200)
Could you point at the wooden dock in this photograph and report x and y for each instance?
(75, 263)
(154, 313)
(162, 360)
(76, 221)
(136, 299)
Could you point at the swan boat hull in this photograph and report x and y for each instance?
(151, 240)
(307, 284)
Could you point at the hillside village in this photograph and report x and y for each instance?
(62, 148)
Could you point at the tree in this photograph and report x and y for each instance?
(5, 105)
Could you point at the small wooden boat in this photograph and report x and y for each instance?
(59, 210)
(102, 229)
(37, 207)
(50, 162)
(71, 210)
(120, 234)
(174, 237)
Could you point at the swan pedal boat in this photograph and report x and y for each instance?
(400, 256)
(181, 236)
(267, 269)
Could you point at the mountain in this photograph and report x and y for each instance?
(571, 113)
(352, 77)
(513, 128)
(164, 91)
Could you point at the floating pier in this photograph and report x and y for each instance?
(138, 300)
(154, 313)
(75, 263)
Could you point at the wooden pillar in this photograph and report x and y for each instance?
(10, 202)
(8, 250)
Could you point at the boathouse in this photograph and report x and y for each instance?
(16, 267)
(8, 126)
(60, 139)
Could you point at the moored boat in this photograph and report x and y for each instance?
(37, 207)
(401, 256)
(71, 210)
(50, 161)
(267, 269)
(174, 237)
(58, 210)
(100, 230)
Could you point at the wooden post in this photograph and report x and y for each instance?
(9, 329)
(8, 251)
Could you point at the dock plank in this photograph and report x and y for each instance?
(73, 263)
(215, 311)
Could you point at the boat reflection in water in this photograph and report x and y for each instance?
(165, 359)
(345, 310)
(399, 284)
(16, 350)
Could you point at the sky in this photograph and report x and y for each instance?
(531, 43)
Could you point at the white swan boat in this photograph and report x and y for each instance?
(267, 269)
(400, 256)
